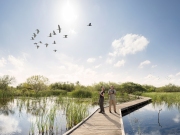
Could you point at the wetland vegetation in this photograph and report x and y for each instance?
(37, 106)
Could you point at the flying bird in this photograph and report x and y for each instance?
(54, 42)
(89, 24)
(34, 35)
(65, 36)
(40, 42)
(50, 35)
(59, 29)
(55, 50)
(37, 46)
(37, 31)
(46, 44)
(32, 38)
(35, 43)
(54, 33)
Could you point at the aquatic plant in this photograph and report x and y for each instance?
(168, 99)
(75, 113)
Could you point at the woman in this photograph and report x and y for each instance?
(101, 100)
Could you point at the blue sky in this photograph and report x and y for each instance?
(129, 40)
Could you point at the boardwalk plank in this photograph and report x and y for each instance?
(106, 124)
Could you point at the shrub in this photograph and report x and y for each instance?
(81, 94)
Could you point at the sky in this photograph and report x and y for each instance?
(129, 41)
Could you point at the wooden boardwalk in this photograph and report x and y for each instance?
(105, 124)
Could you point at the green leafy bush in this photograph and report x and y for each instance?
(81, 94)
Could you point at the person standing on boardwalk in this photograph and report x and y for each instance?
(112, 98)
(101, 100)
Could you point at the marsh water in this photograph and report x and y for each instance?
(35, 116)
(52, 115)
(153, 119)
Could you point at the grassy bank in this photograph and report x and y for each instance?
(164, 96)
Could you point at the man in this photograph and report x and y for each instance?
(112, 98)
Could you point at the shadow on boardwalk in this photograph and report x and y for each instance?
(108, 123)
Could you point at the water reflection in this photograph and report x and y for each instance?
(153, 119)
(177, 118)
(5, 107)
(9, 124)
(39, 115)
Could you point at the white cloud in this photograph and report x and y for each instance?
(91, 60)
(119, 63)
(170, 76)
(9, 125)
(112, 54)
(2, 62)
(177, 119)
(178, 74)
(18, 63)
(142, 64)
(97, 66)
(109, 60)
(62, 67)
(72, 31)
(129, 44)
(100, 57)
(149, 76)
(89, 71)
(153, 66)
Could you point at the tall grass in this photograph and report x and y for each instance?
(75, 113)
(46, 119)
(169, 99)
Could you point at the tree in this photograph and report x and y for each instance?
(5, 81)
(149, 88)
(131, 87)
(37, 82)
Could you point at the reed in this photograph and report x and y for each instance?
(75, 112)
(169, 99)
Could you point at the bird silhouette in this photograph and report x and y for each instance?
(65, 36)
(89, 24)
(32, 38)
(54, 50)
(37, 31)
(40, 42)
(37, 46)
(59, 29)
(46, 44)
(54, 42)
(54, 33)
(50, 35)
(35, 43)
(34, 35)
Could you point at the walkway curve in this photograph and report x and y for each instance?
(105, 124)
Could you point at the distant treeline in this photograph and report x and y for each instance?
(39, 83)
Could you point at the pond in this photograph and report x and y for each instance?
(41, 116)
(153, 119)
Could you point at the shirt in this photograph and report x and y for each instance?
(112, 96)
(100, 95)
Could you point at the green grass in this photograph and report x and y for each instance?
(32, 93)
(81, 94)
(170, 99)
(75, 112)
(163, 96)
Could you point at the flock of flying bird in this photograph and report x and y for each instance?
(50, 35)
